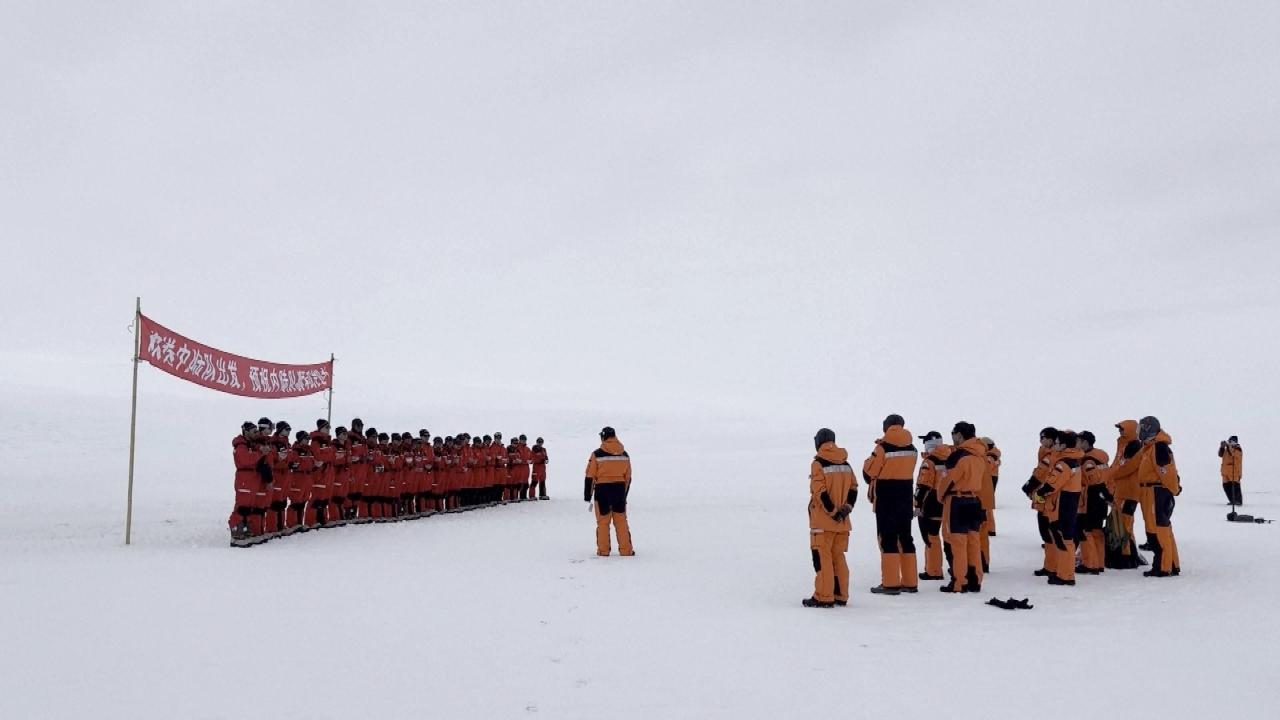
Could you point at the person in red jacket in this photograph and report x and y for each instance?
(501, 470)
(342, 477)
(301, 466)
(539, 459)
(425, 501)
(438, 475)
(278, 496)
(359, 468)
(321, 481)
(245, 521)
(513, 465)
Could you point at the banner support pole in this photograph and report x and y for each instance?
(329, 415)
(133, 417)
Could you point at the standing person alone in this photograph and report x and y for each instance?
(889, 473)
(608, 479)
(1232, 469)
(833, 491)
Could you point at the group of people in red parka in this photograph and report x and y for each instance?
(316, 479)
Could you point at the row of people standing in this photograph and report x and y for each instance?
(1084, 501)
(286, 483)
(953, 498)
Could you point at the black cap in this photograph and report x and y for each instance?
(1089, 438)
(371, 432)
(931, 435)
(894, 419)
(1233, 439)
(382, 437)
(1050, 433)
(265, 421)
(302, 435)
(423, 433)
(339, 430)
(1068, 438)
(524, 438)
(357, 421)
(824, 435)
(247, 425)
(965, 430)
(283, 425)
(539, 440)
(488, 439)
(607, 432)
(322, 423)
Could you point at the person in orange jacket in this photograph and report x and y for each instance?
(928, 506)
(1059, 495)
(1124, 484)
(1044, 466)
(1232, 469)
(1158, 484)
(889, 472)
(608, 481)
(1095, 503)
(540, 460)
(966, 467)
(833, 492)
(993, 464)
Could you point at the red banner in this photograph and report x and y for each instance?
(185, 358)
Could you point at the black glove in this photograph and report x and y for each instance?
(586, 489)
(842, 513)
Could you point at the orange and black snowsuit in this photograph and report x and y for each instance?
(1096, 500)
(1123, 476)
(1045, 458)
(930, 510)
(961, 484)
(1232, 471)
(608, 478)
(889, 473)
(1159, 483)
(833, 491)
(1061, 502)
(989, 496)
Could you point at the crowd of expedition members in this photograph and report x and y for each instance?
(285, 483)
(1085, 505)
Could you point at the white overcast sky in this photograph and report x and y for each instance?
(1022, 210)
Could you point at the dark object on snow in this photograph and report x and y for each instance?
(1011, 604)
(1234, 516)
